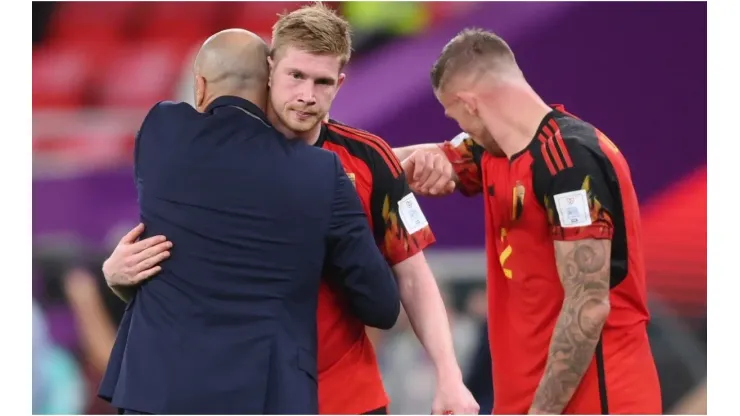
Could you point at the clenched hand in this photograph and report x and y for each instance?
(429, 173)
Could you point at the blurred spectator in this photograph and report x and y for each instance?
(95, 327)
(479, 379)
(97, 313)
(57, 381)
(40, 351)
(86, 313)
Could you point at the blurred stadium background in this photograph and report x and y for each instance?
(637, 70)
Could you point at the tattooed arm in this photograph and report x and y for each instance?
(584, 272)
(580, 204)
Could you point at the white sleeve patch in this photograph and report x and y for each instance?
(573, 209)
(459, 139)
(410, 212)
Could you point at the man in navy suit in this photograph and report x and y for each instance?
(229, 325)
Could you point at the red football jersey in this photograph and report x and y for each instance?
(529, 204)
(349, 377)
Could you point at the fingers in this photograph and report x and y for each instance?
(437, 181)
(424, 169)
(408, 167)
(146, 274)
(420, 165)
(449, 188)
(145, 244)
(429, 173)
(149, 257)
(132, 235)
(439, 176)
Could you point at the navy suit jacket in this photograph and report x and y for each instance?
(229, 324)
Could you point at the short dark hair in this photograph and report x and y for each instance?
(470, 49)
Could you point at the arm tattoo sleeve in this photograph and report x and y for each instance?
(584, 272)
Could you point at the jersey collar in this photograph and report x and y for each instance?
(544, 129)
(558, 107)
(547, 126)
(232, 101)
(322, 135)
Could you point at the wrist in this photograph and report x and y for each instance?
(448, 371)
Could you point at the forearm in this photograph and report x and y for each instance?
(570, 354)
(426, 312)
(584, 271)
(406, 151)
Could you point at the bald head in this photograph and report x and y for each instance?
(231, 62)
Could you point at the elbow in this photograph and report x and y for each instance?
(390, 317)
(387, 307)
(382, 315)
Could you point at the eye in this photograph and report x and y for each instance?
(325, 81)
(296, 75)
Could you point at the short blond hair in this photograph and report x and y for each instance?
(471, 50)
(315, 29)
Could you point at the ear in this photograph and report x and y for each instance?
(200, 92)
(270, 68)
(340, 80)
(470, 101)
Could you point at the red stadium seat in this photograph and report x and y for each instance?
(60, 76)
(141, 74)
(86, 151)
(91, 21)
(181, 21)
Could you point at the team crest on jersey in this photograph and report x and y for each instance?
(517, 201)
(351, 177)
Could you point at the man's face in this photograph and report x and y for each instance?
(465, 116)
(463, 111)
(303, 87)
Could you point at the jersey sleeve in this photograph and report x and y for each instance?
(571, 184)
(465, 156)
(399, 224)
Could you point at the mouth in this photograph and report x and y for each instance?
(304, 114)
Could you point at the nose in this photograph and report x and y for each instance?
(307, 96)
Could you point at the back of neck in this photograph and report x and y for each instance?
(521, 116)
(257, 98)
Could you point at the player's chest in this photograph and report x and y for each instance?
(522, 276)
(516, 219)
(510, 198)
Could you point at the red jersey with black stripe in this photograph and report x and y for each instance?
(529, 204)
(349, 377)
